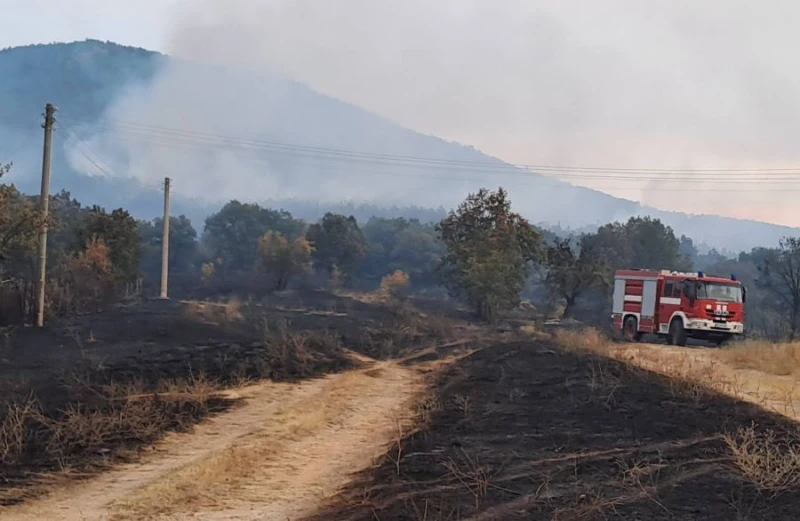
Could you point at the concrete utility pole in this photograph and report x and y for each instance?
(165, 242)
(44, 206)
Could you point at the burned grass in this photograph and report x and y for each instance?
(526, 430)
(95, 425)
(87, 392)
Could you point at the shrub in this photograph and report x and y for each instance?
(395, 286)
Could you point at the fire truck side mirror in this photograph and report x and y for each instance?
(744, 294)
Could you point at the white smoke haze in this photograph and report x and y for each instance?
(622, 83)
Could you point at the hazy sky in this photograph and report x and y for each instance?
(614, 84)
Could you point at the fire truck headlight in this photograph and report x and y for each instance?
(708, 306)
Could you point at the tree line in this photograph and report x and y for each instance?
(482, 253)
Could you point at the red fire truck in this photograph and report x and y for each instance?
(678, 306)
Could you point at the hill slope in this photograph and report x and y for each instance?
(129, 117)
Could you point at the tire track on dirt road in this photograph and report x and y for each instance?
(281, 453)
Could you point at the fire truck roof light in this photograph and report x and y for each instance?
(733, 276)
(700, 274)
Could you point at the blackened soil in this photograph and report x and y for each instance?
(81, 371)
(527, 431)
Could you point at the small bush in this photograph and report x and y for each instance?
(15, 422)
(769, 461)
(395, 286)
(207, 270)
(291, 354)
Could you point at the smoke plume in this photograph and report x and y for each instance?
(623, 83)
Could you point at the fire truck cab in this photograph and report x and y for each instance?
(678, 306)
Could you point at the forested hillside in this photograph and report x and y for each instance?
(216, 133)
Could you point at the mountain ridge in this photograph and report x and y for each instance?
(87, 80)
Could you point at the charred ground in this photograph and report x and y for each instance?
(526, 430)
(87, 392)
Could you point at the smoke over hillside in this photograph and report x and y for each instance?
(668, 84)
(665, 85)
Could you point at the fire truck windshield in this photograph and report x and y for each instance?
(719, 291)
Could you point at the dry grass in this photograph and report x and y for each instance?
(229, 475)
(224, 474)
(587, 340)
(216, 312)
(88, 433)
(768, 460)
(292, 354)
(767, 357)
(14, 427)
(199, 484)
(698, 372)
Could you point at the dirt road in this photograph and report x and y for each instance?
(277, 456)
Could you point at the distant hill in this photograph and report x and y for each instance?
(184, 116)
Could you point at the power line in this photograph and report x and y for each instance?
(88, 155)
(158, 131)
(26, 137)
(78, 141)
(189, 143)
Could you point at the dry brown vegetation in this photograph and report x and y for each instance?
(309, 438)
(769, 460)
(782, 359)
(95, 421)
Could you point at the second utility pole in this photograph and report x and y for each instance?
(165, 242)
(44, 205)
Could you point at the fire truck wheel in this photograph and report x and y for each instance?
(630, 330)
(677, 335)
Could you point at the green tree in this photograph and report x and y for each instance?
(67, 217)
(283, 259)
(654, 245)
(18, 227)
(119, 232)
(570, 275)
(642, 242)
(418, 252)
(183, 245)
(489, 250)
(232, 234)
(763, 311)
(401, 244)
(780, 276)
(338, 244)
(688, 250)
